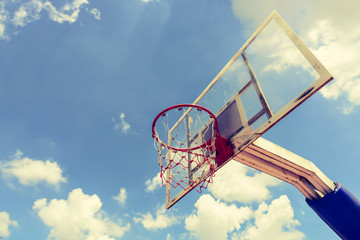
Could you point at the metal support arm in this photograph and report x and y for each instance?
(287, 166)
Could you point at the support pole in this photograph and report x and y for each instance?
(341, 211)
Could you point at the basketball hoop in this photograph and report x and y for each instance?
(189, 146)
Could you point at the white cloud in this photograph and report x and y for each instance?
(19, 17)
(147, 1)
(3, 20)
(5, 223)
(277, 51)
(68, 13)
(30, 11)
(30, 172)
(236, 182)
(96, 13)
(123, 125)
(214, 220)
(327, 26)
(121, 197)
(15, 14)
(27, 12)
(233, 183)
(153, 184)
(163, 219)
(340, 55)
(2, 31)
(79, 217)
(169, 237)
(250, 13)
(275, 221)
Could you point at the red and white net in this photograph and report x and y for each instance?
(185, 141)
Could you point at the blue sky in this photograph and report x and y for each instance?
(82, 80)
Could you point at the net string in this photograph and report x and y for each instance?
(187, 168)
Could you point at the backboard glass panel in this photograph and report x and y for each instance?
(270, 75)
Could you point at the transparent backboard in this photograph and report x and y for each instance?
(271, 74)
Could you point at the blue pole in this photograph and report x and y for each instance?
(341, 211)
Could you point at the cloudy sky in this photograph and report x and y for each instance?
(82, 80)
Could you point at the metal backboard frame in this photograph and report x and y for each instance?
(242, 121)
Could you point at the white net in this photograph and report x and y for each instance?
(185, 141)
